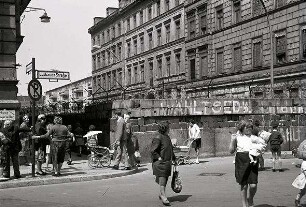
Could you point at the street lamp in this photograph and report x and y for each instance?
(271, 51)
(44, 18)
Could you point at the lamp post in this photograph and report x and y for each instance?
(44, 18)
(271, 51)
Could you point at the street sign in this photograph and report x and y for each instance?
(29, 68)
(35, 90)
(7, 115)
(59, 75)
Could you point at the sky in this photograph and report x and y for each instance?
(64, 44)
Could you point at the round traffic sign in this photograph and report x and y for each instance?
(35, 90)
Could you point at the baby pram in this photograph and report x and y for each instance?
(100, 156)
(182, 153)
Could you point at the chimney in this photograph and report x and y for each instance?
(110, 10)
(97, 19)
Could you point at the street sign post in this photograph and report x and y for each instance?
(29, 68)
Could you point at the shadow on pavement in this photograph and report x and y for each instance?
(179, 198)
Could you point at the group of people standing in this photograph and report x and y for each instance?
(51, 142)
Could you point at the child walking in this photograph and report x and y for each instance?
(300, 182)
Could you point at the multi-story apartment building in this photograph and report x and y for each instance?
(228, 48)
(10, 41)
(138, 50)
(71, 97)
(200, 48)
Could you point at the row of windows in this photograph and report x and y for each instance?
(280, 54)
(135, 20)
(108, 81)
(107, 57)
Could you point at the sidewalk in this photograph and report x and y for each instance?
(77, 172)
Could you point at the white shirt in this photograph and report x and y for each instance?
(244, 143)
(194, 132)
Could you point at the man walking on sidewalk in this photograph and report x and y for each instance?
(121, 141)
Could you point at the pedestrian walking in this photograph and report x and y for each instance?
(69, 144)
(194, 133)
(275, 141)
(162, 158)
(40, 145)
(60, 135)
(121, 137)
(246, 173)
(25, 143)
(300, 182)
(79, 139)
(11, 148)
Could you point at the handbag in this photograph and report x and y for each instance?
(176, 182)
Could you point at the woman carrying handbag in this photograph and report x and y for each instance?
(162, 157)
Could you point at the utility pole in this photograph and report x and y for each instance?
(33, 120)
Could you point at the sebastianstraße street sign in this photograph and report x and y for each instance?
(59, 75)
(35, 90)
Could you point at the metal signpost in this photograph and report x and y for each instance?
(35, 93)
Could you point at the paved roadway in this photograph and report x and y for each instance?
(217, 188)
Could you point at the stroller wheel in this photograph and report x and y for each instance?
(180, 161)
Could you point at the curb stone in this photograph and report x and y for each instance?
(50, 181)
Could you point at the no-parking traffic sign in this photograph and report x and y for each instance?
(35, 90)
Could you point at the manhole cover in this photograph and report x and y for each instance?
(211, 174)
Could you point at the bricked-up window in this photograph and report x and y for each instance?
(141, 44)
(176, 2)
(135, 20)
(151, 73)
(150, 41)
(237, 60)
(203, 53)
(280, 3)
(113, 32)
(150, 12)
(177, 63)
(159, 37)
(135, 46)
(192, 69)
(158, 8)
(119, 52)
(102, 38)
(128, 46)
(120, 77)
(109, 81)
(167, 33)
(159, 67)
(168, 65)
(167, 5)
(257, 7)
(129, 76)
(135, 74)
(220, 17)
(114, 79)
(108, 57)
(119, 29)
(191, 25)
(237, 11)
(303, 41)
(103, 59)
(257, 53)
(141, 17)
(98, 39)
(220, 61)
(98, 60)
(93, 62)
(281, 47)
(103, 81)
(141, 73)
(128, 24)
(108, 35)
(177, 29)
(115, 59)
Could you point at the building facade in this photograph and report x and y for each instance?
(138, 50)
(200, 48)
(10, 41)
(228, 48)
(69, 98)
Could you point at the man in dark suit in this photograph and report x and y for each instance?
(121, 137)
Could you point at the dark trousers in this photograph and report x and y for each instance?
(6, 165)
